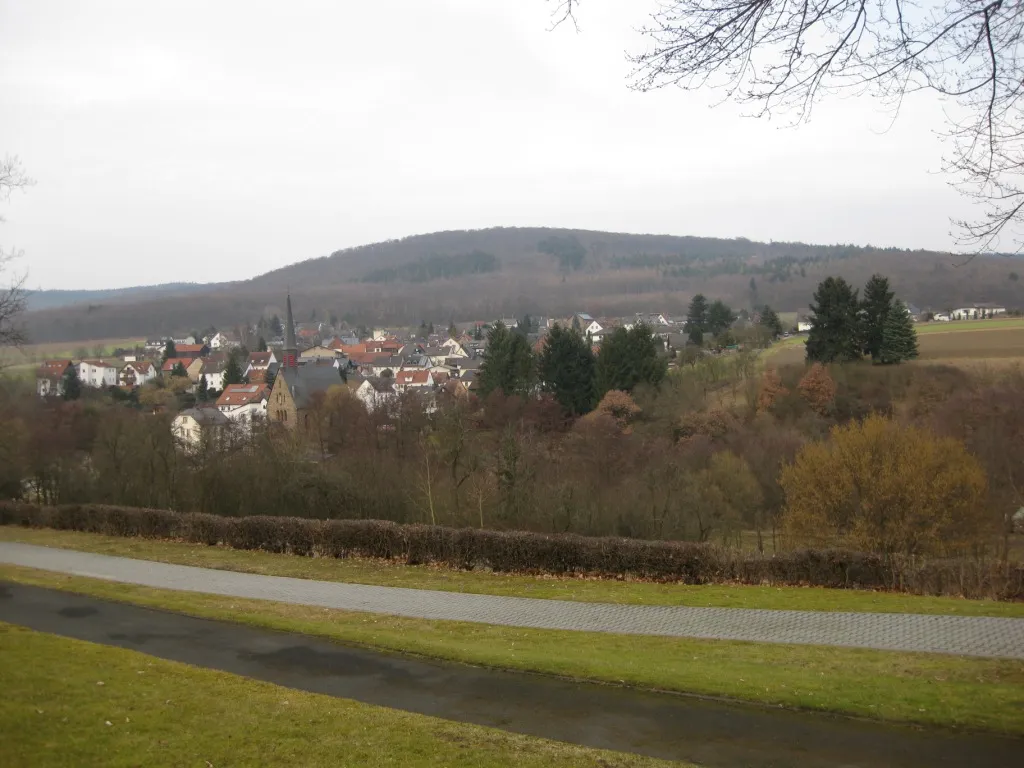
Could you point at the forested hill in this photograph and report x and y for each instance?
(481, 274)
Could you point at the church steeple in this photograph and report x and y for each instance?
(291, 349)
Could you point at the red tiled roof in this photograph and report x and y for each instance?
(189, 350)
(412, 377)
(170, 362)
(242, 394)
(52, 369)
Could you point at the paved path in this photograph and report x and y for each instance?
(971, 636)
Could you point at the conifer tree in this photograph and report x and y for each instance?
(233, 370)
(874, 309)
(567, 369)
(697, 319)
(508, 363)
(899, 337)
(835, 323)
(628, 358)
(71, 386)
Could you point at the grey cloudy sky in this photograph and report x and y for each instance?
(215, 141)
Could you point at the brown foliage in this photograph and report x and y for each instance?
(881, 487)
(818, 389)
(770, 390)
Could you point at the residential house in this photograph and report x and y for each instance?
(376, 393)
(186, 340)
(50, 377)
(194, 425)
(171, 362)
(191, 350)
(977, 311)
(261, 361)
(404, 380)
(99, 373)
(244, 403)
(942, 317)
(136, 373)
(296, 386)
(212, 369)
(319, 352)
(219, 341)
(454, 348)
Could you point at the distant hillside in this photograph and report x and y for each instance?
(481, 274)
(50, 299)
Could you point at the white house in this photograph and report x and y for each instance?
(942, 317)
(187, 340)
(977, 311)
(213, 372)
(261, 361)
(98, 373)
(454, 348)
(244, 403)
(191, 425)
(376, 393)
(218, 340)
(50, 377)
(137, 373)
(415, 379)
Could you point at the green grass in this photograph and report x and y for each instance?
(966, 326)
(72, 703)
(978, 694)
(389, 574)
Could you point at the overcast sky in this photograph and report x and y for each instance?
(217, 140)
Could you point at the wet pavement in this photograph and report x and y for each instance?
(669, 726)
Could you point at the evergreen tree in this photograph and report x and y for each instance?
(269, 377)
(452, 331)
(478, 334)
(567, 369)
(697, 319)
(71, 385)
(770, 320)
(202, 390)
(899, 337)
(628, 358)
(875, 308)
(430, 329)
(261, 344)
(719, 318)
(527, 324)
(835, 323)
(275, 326)
(169, 351)
(233, 373)
(179, 370)
(508, 364)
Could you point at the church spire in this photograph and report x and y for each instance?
(291, 349)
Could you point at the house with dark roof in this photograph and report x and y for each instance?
(194, 425)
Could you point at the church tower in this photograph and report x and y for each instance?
(290, 353)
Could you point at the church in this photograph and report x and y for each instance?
(297, 383)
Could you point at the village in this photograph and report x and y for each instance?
(217, 382)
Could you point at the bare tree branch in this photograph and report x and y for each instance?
(12, 296)
(783, 56)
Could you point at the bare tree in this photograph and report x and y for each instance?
(12, 295)
(782, 56)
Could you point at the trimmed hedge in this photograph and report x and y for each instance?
(523, 552)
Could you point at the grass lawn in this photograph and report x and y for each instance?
(147, 711)
(980, 694)
(359, 571)
(966, 326)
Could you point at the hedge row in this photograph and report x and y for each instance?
(522, 552)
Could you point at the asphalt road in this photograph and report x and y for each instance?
(670, 726)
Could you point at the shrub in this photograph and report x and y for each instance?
(521, 552)
(885, 488)
(818, 389)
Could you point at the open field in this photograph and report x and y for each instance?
(978, 694)
(33, 354)
(387, 574)
(969, 342)
(69, 702)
